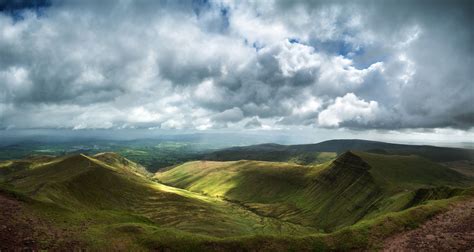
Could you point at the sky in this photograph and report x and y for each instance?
(364, 69)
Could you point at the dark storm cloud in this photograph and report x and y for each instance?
(212, 64)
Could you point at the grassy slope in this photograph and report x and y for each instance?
(273, 153)
(86, 184)
(269, 188)
(11, 166)
(326, 196)
(119, 231)
(410, 180)
(115, 160)
(396, 172)
(111, 206)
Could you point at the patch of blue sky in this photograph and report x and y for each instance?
(294, 40)
(221, 23)
(258, 46)
(17, 9)
(199, 6)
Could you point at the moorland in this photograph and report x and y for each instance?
(334, 195)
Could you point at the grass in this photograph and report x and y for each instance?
(367, 234)
(109, 203)
(328, 196)
(397, 173)
(87, 184)
(312, 158)
(153, 154)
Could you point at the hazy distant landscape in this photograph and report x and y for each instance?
(155, 153)
(224, 125)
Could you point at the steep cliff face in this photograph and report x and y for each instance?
(343, 193)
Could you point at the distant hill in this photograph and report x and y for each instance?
(277, 152)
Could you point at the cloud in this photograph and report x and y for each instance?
(220, 64)
(295, 58)
(253, 123)
(348, 109)
(231, 115)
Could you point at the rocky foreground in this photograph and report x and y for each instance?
(449, 231)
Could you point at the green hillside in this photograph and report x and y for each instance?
(85, 183)
(327, 196)
(397, 173)
(109, 202)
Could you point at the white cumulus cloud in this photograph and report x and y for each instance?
(348, 108)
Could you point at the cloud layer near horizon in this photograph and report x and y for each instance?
(219, 64)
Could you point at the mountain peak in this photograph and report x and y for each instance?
(351, 159)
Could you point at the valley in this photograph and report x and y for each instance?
(106, 201)
(224, 125)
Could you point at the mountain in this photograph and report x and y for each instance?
(107, 189)
(328, 196)
(107, 202)
(110, 182)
